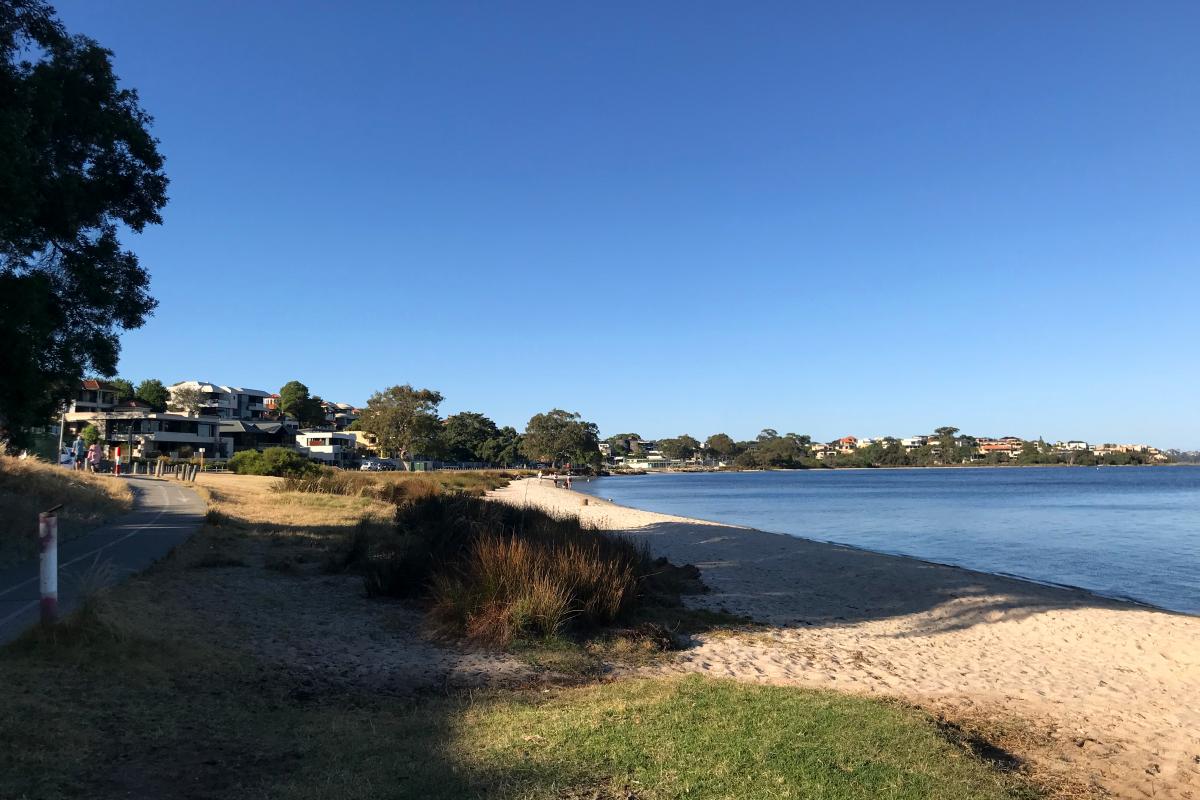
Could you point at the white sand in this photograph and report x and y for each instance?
(1114, 687)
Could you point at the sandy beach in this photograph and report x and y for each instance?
(1110, 691)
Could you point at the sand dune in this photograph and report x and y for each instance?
(1113, 688)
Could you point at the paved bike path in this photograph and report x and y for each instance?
(166, 512)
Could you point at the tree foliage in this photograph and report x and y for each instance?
(186, 399)
(124, 389)
(681, 447)
(281, 462)
(77, 161)
(404, 420)
(504, 448)
(559, 437)
(152, 392)
(465, 436)
(296, 402)
(720, 445)
(90, 434)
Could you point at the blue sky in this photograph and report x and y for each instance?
(860, 218)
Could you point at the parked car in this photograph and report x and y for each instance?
(377, 465)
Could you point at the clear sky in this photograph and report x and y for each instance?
(864, 218)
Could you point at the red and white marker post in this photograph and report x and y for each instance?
(117, 465)
(48, 538)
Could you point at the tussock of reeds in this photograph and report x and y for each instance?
(493, 572)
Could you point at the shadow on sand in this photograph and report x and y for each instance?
(790, 582)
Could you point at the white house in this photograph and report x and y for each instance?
(335, 448)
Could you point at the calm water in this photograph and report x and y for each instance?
(1122, 532)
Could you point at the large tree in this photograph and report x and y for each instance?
(948, 447)
(187, 400)
(504, 448)
(296, 402)
(404, 420)
(77, 162)
(465, 435)
(153, 392)
(561, 437)
(681, 447)
(720, 445)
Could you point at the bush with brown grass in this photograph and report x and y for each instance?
(494, 573)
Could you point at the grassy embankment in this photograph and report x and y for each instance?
(28, 487)
(141, 695)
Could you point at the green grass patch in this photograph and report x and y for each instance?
(95, 711)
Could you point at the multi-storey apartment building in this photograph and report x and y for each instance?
(136, 428)
(225, 402)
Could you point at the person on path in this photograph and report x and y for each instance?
(93, 458)
(78, 451)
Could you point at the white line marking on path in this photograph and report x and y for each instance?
(76, 560)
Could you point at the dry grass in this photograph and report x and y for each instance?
(30, 486)
(398, 487)
(249, 514)
(261, 501)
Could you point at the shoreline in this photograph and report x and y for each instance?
(1130, 599)
(1109, 686)
(1004, 576)
(707, 470)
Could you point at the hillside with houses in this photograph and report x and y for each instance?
(945, 447)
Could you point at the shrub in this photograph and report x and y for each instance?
(277, 461)
(493, 572)
(90, 434)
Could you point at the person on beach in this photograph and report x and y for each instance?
(568, 480)
(78, 451)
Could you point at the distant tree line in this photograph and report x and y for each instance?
(405, 424)
(772, 450)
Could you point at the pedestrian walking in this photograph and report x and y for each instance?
(78, 452)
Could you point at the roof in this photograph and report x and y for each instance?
(237, 426)
(205, 386)
(95, 384)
